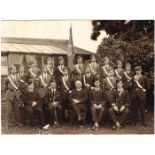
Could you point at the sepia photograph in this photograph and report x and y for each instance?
(74, 77)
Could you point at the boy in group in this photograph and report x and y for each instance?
(94, 66)
(88, 79)
(140, 88)
(53, 99)
(97, 99)
(50, 67)
(105, 68)
(12, 97)
(79, 68)
(78, 98)
(22, 86)
(33, 74)
(119, 71)
(119, 109)
(127, 78)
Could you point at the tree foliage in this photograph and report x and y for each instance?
(129, 41)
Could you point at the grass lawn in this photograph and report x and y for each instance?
(66, 129)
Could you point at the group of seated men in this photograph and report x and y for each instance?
(52, 93)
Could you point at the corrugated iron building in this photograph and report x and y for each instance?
(26, 50)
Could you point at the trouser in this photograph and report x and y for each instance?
(30, 114)
(65, 107)
(79, 108)
(119, 117)
(138, 104)
(97, 114)
(12, 107)
(46, 113)
(56, 113)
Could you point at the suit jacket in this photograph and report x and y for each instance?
(120, 73)
(122, 98)
(34, 78)
(22, 81)
(106, 84)
(76, 72)
(138, 91)
(95, 69)
(69, 83)
(59, 71)
(50, 97)
(51, 71)
(88, 80)
(29, 97)
(103, 73)
(79, 95)
(45, 80)
(110, 93)
(97, 97)
(8, 85)
(35, 71)
(128, 83)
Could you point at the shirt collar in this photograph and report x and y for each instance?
(79, 89)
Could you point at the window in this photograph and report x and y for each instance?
(4, 65)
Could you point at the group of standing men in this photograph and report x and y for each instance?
(88, 91)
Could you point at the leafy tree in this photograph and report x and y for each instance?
(129, 41)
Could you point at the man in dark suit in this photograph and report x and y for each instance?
(33, 104)
(12, 97)
(119, 110)
(97, 99)
(53, 98)
(78, 98)
(65, 86)
(44, 81)
(140, 88)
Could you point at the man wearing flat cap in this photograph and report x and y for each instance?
(140, 88)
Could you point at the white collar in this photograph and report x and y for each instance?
(97, 89)
(79, 89)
